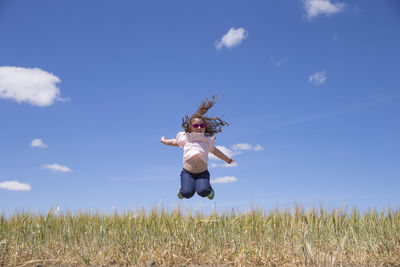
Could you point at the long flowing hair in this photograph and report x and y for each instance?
(213, 125)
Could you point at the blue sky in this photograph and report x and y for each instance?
(87, 88)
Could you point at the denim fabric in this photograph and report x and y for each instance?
(191, 182)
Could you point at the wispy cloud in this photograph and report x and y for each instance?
(281, 62)
(232, 38)
(14, 186)
(258, 148)
(376, 100)
(318, 78)
(56, 167)
(242, 146)
(245, 146)
(38, 143)
(311, 118)
(31, 85)
(335, 37)
(224, 180)
(278, 62)
(315, 8)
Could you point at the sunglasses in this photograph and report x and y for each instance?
(202, 125)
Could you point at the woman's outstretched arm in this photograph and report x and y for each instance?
(170, 142)
(222, 156)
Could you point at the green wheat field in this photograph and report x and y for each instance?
(177, 237)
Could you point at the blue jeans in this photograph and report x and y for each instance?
(191, 182)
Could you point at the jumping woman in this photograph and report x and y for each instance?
(197, 141)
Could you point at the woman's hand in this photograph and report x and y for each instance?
(163, 139)
(230, 161)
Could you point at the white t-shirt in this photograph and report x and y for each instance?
(195, 143)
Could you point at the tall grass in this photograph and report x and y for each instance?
(183, 237)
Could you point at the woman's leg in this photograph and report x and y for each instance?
(188, 185)
(203, 186)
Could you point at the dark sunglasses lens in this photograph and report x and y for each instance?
(199, 125)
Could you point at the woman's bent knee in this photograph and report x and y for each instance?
(187, 194)
(204, 192)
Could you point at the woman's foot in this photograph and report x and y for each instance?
(179, 194)
(211, 195)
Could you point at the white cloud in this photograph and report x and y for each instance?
(56, 167)
(278, 62)
(335, 37)
(242, 146)
(224, 180)
(32, 85)
(318, 78)
(315, 8)
(246, 146)
(14, 186)
(281, 62)
(232, 38)
(38, 143)
(258, 148)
